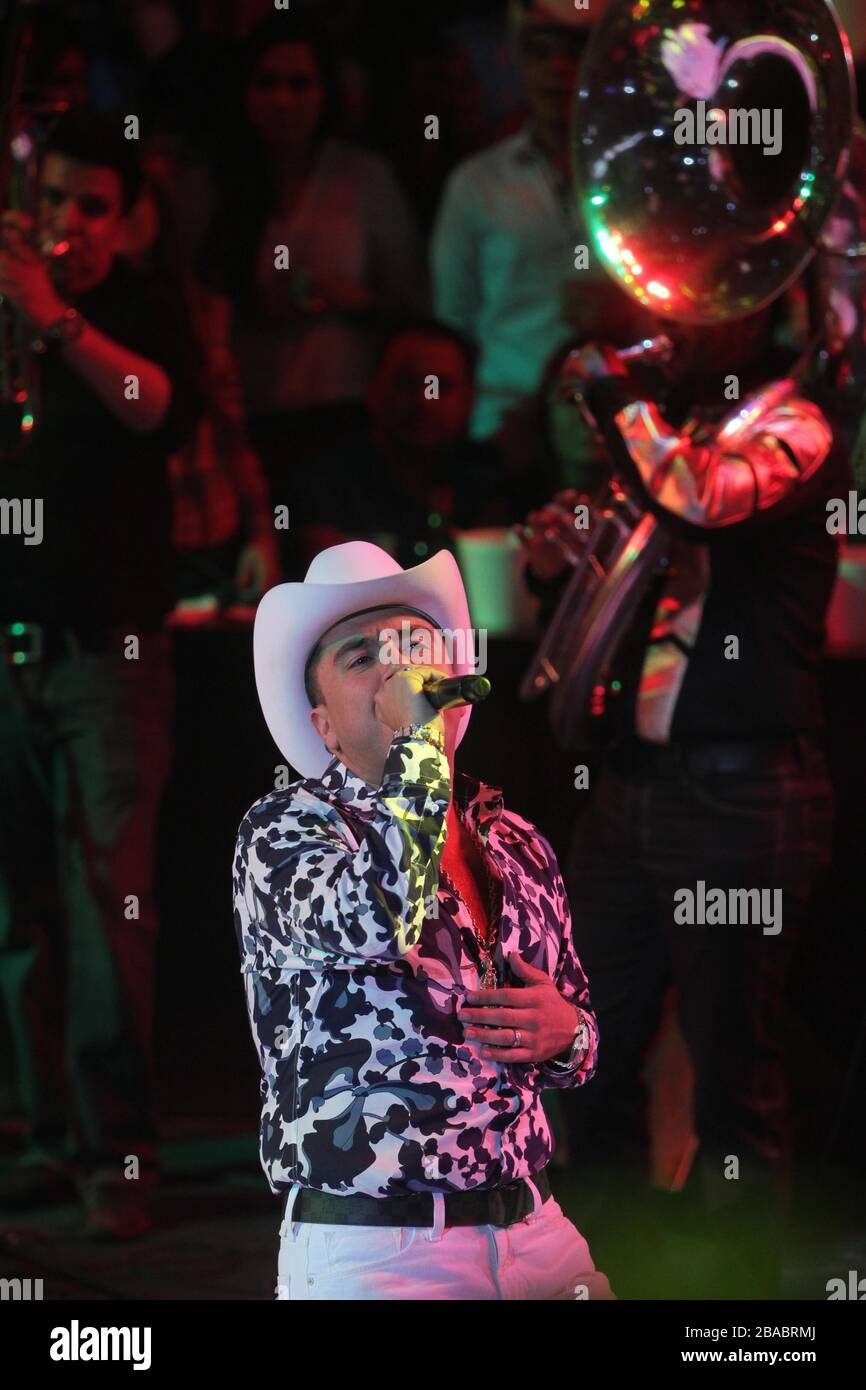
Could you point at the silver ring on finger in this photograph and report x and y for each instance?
(516, 1042)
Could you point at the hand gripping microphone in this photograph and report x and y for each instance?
(450, 691)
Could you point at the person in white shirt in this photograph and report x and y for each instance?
(504, 246)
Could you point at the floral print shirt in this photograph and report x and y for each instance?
(355, 957)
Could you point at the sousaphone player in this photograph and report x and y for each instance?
(714, 770)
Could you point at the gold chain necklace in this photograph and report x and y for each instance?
(486, 940)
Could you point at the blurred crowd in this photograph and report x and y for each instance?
(364, 212)
(367, 215)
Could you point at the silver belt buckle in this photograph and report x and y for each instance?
(33, 631)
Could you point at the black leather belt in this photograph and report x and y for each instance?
(789, 754)
(492, 1206)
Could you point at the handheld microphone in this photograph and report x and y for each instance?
(450, 691)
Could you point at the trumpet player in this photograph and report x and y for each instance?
(86, 682)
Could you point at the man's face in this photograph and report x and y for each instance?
(550, 56)
(286, 96)
(67, 80)
(353, 666)
(398, 396)
(81, 204)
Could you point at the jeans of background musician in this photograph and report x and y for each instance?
(85, 744)
(542, 1257)
(643, 836)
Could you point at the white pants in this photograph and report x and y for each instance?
(541, 1257)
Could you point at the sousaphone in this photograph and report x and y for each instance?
(701, 233)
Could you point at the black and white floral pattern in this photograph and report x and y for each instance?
(354, 959)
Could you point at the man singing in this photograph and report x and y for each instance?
(410, 974)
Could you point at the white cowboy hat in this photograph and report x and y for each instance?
(342, 580)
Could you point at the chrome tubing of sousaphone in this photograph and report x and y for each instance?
(624, 547)
(658, 349)
(595, 555)
(606, 620)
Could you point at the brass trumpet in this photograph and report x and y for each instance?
(23, 127)
(20, 353)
